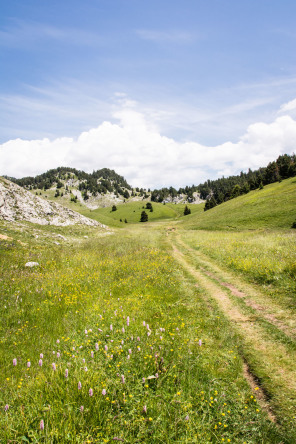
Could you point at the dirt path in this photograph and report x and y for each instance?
(281, 318)
(275, 360)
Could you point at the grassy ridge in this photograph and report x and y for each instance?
(272, 207)
(177, 379)
(132, 212)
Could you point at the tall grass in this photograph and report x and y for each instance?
(138, 355)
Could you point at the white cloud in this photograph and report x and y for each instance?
(290, 106)
(135, 148)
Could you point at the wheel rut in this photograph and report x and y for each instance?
(275, 360)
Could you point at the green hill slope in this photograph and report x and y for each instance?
(131, 212)
(272, 207)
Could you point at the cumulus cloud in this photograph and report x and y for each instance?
(289, 106)
(135, 148)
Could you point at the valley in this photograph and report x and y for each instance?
(179, 329)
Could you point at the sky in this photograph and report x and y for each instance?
(166, 92)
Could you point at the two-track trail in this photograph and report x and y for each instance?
(267, 331)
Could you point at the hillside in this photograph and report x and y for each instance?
(272, 207)
(16, 203)
(66, 186)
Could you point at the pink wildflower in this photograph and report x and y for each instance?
(81, 408)
(41, 424)
(41, 355)
(90, 392)
(28, 364)
(53, 366)
(6, 407)
(14, 361)
(79, 385)
(40, 362)
(122, 379)
(104, 392)
(66, 373)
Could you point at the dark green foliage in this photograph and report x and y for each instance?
(210, 203)
(114, 208)
(148, 205)
(73, 198)
(261, 185)
(100, 181)
(144, 217)
(186, 211)
(294, 224)
(125, 221)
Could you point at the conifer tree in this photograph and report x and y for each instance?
(144, 217)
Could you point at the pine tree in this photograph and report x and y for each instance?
(144, 217)
(114, 208)
(186, 211)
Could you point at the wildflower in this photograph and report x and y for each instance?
(92, 354)
(101, 331)
(41, 355)
(79, 385)
(97, 346)
(90, 392)
(138, 338)
(66, 373)
(143, 380)
(128, 357)
(85, 369)
(40, 362)
(6, 407)
(83, 360)
(85, 331)
(14, 361)
(156, 375)
(53, 366)
(58, 354)
(111, 327)
(187, 418)
(106, 347)
(123, 330)
(130, 351)
(122, 379)
(160, 337)
(144, 323)
(58, 341)
(81, 408)
(28, 364)
(104, 392)
(147, 326)
(41, 424)
(200, 342)
(145, 409)
(127, 321)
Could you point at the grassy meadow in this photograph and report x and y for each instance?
(110, 339)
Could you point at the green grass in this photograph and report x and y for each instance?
(191, 392)
(272, 207)
(132, 212)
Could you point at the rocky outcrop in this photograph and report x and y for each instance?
(16, 203)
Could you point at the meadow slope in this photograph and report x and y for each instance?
(158, 333)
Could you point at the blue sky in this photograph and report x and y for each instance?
(165, 92)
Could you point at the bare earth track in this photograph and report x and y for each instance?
(250, 315)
